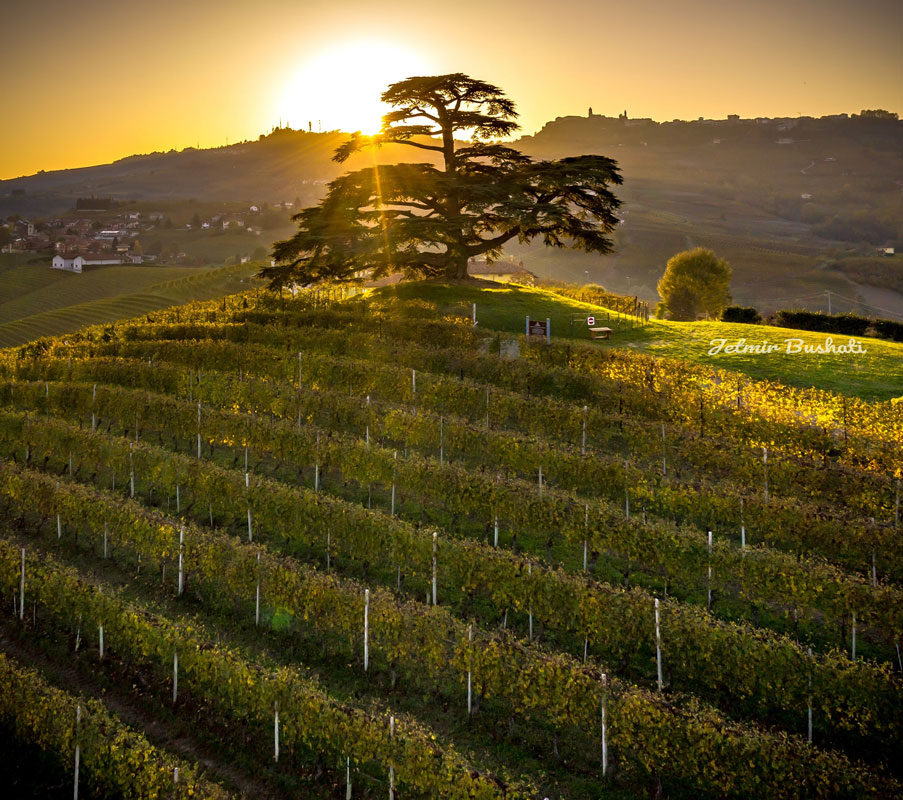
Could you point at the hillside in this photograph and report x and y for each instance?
(39, 301)
(330, 544)
(798, 206)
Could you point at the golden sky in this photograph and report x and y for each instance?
(86, 83)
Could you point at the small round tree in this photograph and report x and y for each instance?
(695, 282)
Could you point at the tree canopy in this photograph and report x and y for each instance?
(429, 219)
(695, 281)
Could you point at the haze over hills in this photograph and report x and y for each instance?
(798, 206)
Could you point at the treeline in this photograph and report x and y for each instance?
(842, 324)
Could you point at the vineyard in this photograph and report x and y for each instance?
(327, 545)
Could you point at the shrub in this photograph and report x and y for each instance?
(745, 314)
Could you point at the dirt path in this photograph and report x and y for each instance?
(161, 734)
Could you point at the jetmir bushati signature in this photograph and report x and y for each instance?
(788, 346)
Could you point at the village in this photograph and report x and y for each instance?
(97, 233)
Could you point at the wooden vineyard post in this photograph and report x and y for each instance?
(78, 725)
(276, 732)
(178, 501)
(328, 548)
(469, 673)
(414, 383)
(175, 676)
(366, 629)
(709, 583)
(530, 612)
(394, 466)
(391, 768)
(59, 527)
(105, 548)
(22, 589)
(435, 562)
(585, 535)
(299, 370)
(658, 646)
(199, 428)
(604, 737)
(742, 527)
(181, 554)
(765, 469)
(131, 471)
(495, 539)
(101, 641)
(347, 777)
(250, 529)
(583, 440)
(257, 596)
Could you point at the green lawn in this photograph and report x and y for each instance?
(877, 374)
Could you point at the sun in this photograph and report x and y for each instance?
(339, 88)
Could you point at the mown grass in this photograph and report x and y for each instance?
(875, 375)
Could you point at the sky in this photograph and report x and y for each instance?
(86, 83)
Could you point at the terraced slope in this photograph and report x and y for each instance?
(335, 542)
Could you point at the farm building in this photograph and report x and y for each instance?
(78, 262)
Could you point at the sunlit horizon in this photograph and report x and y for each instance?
(211, 74)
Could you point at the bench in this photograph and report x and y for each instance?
(600, 333)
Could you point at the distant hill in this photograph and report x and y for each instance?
(799, 207)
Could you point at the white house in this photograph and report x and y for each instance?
(76, 263)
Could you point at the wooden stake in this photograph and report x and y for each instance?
(495, 540)
(604, 739)
(391, 768)
(348, 778)
(366, 629)
(22, 590)
(470, 642)
(181, 552)
(530, 572)
(78, 722)
(435, 562)
(175, 676)
(101, 642)
(59, 527)
(742, 527)
(105, 550)
(658, 646)
(765, 467)
(257, 599)
(583, 441)
(250, 529)
(276, 732)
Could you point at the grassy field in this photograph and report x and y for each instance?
(45, 302)
(876, 374)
